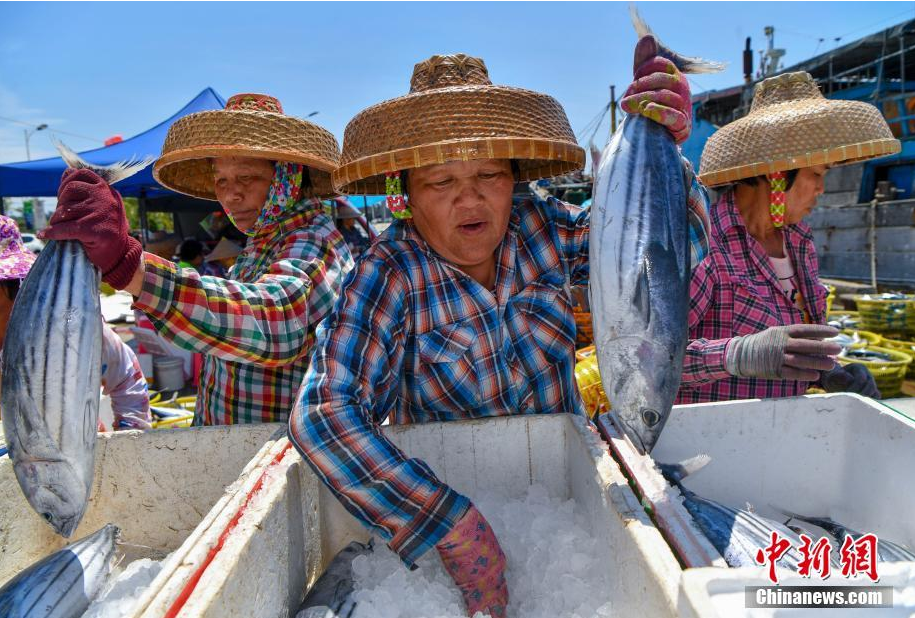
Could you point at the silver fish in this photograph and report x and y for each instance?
(887, 551)
(332, 595)
(640, 268)
(63, 584)
(52, 374)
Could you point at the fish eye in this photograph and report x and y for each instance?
(47, 517)
(651, 417)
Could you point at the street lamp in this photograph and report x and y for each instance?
(28, 134)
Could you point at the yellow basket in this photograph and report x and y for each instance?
(906, 347)
(584, 332)
(868, 338)
(888, 375)
(587, 375)
(584, 353)
(910, 318)
(830, 297)
(186, 404)
(881, 315)
(850, 315)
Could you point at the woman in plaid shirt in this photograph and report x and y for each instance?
(757, 307)
(256, 327)
(460, 310)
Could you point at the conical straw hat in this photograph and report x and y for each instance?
(251, 125)
(455, 113)
(792, 125)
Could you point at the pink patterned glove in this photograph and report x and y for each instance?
(660, 91)
(474, 560)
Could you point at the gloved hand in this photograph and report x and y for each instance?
(852, 378)
(90, 211)
(660, 91)
(793, 352)
(474, 560)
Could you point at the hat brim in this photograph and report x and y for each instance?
(194, 139)
(458, 123)
(794, 135)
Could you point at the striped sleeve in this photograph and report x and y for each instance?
(351, 386)
(704, 360)
(264, 322)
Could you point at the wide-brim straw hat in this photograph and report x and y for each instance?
(454, 113)
(251, 125)
(224, 249)
(792, 125)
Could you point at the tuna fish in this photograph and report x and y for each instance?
(63, 584)
(332, 595)
(52, 374)
(887, 551)
(640, 268)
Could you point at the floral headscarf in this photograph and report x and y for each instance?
(15, 259)
(285, 191)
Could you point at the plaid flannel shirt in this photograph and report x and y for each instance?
(256, 327)
(413, 339)
(735, 291)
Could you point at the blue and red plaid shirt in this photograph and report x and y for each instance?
(735, 291)
(414, 339)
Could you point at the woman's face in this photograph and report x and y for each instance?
(462, 210)
(801, 198)
(242, 184)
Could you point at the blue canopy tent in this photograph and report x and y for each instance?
(41, 178)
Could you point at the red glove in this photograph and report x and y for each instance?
(660, 91)
(90, 211)
(474, 560)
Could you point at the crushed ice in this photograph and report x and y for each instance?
(555, 569)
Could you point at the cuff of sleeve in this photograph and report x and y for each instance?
(159, 283)
(121, 274)
(714, 356)
(434, 520)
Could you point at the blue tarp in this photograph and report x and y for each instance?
(41, 178)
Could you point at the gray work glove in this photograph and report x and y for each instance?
(794, 352)
(852, 378)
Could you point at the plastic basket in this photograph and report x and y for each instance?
(830, 297)
(910, 318)
(584, 332)
(849, 316)
(183, 408)
(881, 315)
(888, 375)
(906, 347)
(587, 375)
(868, 339)
(584, 353)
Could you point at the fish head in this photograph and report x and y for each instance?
(55, 492)
(641, 388)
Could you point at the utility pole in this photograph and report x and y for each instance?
(38, 211)
(612, 110)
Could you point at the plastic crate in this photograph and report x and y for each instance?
(883, 315)
(888, 375)
(587, 374)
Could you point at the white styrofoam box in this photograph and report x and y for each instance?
(155, 486)
(291, 528)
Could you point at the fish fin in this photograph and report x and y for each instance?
(678, 471)
(686, 64)
(641, 296)
(110, 173)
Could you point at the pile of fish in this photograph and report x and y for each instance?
(640, 268)
(52, 374)
(63, 584)
(866, 355)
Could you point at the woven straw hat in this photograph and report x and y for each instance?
(455, 113)
(792, 125)
(251, 125)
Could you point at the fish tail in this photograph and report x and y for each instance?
(109, 173)
(686, 64)
(679, 471)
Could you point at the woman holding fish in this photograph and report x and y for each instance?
(757, 307)
(256, 327)
(460, 310)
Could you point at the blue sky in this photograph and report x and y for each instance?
(96, 69)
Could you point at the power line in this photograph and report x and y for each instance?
(877, 23)
(56, 130)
